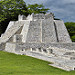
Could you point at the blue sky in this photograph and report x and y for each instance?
(63, 9)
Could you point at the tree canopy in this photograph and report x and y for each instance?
(10, 9)
(35, 8)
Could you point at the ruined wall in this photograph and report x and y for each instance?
(70, 46)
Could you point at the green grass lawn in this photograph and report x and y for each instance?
(12, 64)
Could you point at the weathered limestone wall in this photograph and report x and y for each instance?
(41, 31)
(34, 32)
(62, 32)
(57, 47)
(70, 46)
(48, 31)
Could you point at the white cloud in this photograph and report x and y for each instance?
(68, 1)
(44, 1)
(63, 9)
(35, 1)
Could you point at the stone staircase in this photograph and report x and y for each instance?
(12, 30)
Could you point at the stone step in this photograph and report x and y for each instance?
(61, 67)
(12, 30)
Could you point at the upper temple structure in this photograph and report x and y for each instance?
(40, 33)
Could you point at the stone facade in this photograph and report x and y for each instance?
(40, 35)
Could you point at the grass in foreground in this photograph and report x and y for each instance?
(12, 64)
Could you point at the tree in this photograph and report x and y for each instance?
(35, 8)
(9, 10)
(73, 38)
(71, 29)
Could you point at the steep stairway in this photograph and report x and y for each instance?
(12, 30)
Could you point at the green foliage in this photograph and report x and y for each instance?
(35, 8)
(73, 38)
(10, 9)
(12, 64)
(71, 29)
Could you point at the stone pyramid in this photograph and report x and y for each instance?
(37, 28)
(40, 33)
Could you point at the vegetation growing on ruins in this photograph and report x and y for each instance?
(12, 64)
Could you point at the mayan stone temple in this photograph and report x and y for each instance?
(42, 37)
